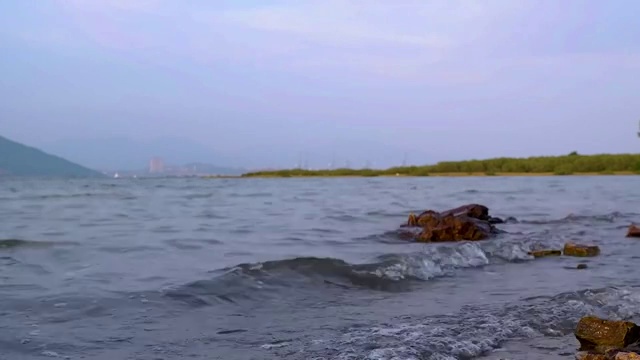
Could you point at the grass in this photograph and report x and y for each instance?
(572, 164)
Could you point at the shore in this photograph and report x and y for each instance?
(447, 174)
(571, 164)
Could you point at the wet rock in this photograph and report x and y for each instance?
(573, 249)
(600, 335)
(584, 355)
(633, 348)
(609, 355)
(627, 356)
(495, 220)
(634, 231)
(475, 211)
(581, 266)
(544, 253)
(455, 228)
(468, 222)
(413, 220)
(428, 218)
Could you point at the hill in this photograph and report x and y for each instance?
(541, 165)
(20, 160)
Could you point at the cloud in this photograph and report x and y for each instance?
(332, 22)
(135, 6)
(439, 41)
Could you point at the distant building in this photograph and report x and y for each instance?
(156, 165)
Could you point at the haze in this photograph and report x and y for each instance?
(268, 83)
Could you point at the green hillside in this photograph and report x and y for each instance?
(20, 160)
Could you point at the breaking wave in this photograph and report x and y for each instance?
(477, 330)
(390, 272)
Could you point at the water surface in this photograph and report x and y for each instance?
(306, 268)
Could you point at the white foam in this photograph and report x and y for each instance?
(475, 330)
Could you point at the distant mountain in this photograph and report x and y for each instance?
(21, 160)
(121, 153)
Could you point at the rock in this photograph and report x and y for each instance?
(581, 266)
(495, 220)
(584, 355)
(627, 356)
(468, 222)
(633, 348)
(475, 211)
(634, 231)
(455, 228)
(610, 355)
(573, 249)
(600, 335)
(413, 220)
(544, 253)
(428, 218)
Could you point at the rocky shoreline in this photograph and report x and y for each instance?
(600, 339)
(472, 222)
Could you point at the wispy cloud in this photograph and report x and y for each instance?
(332, 22)
(112, 5)
(406, 40)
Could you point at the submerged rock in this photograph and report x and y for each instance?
(634, 231)
(573, 249)
(544, 253)
(468, 222)
(581, 266)
(600, 335)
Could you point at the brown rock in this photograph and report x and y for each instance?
(475, 211)
(610, 355)
(634, 231)
(413, 220)
(583, 355)
(599, 335)
(429, 218)
(544, 253)
(454, 228)
(468, 222)
(627, 356)
(573, 249)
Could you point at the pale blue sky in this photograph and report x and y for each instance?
(261, 82)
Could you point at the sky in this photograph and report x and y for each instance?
(271, 83)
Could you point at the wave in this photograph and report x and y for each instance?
(477, 330)
(396, 272)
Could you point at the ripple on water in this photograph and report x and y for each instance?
(374, 296)
(191, 244)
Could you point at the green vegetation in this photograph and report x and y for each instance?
(21, 160)
(572, 164)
